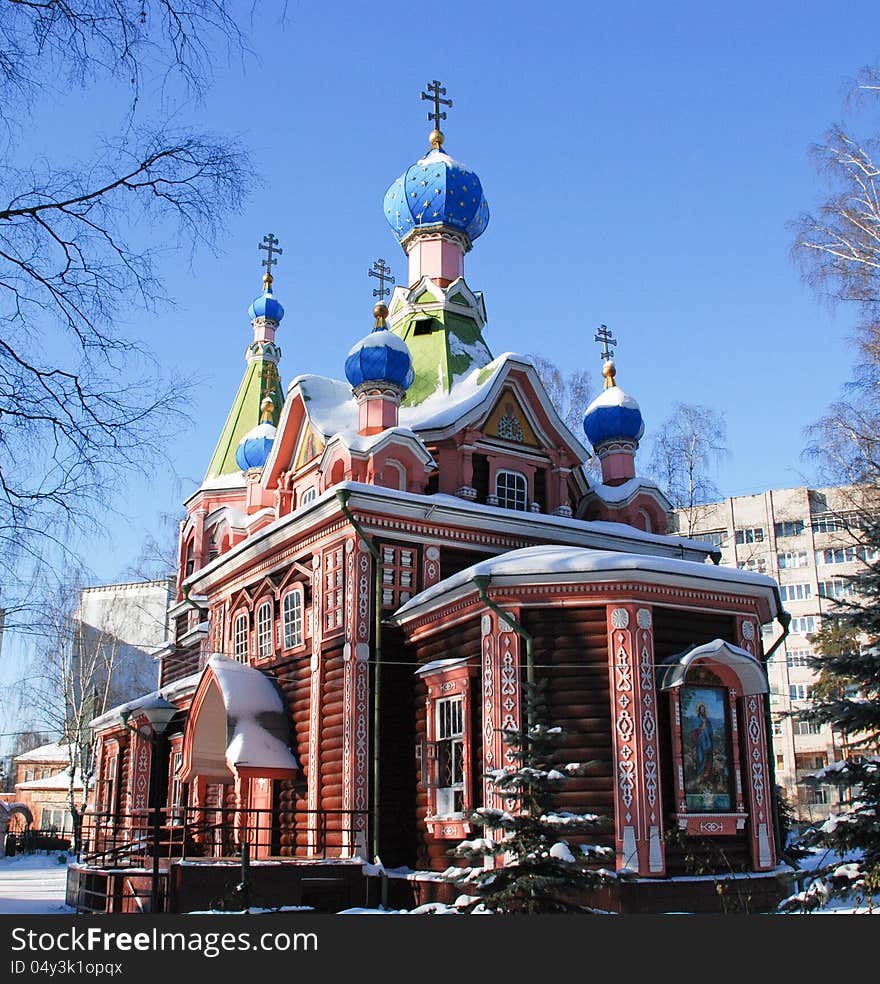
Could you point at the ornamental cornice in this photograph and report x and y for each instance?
(437, 231)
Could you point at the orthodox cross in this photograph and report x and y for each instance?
(382, 273)
(270, 245)
(603, 335)
(435, 91)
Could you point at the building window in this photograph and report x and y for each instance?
(777, 728)
(333, 589)
(240, 637)
(308, 496)
(800, 691)
(802, 728)
(753, 534)
(59, 821)
(715, 537)
(512, 490)
(780, 763)
(845, 555)
(292, 618)
(810, 761)
(789, 528)
(757, 564)
(815, 795)
(108, 802)
(449, 754)
(792, 558)
(175, 814)
(796, 592)
(836, 588)
(264, 630)
(805, 624)
(398, 574)
(798, 657)
(190, 557)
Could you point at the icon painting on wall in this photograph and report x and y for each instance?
(706, 740)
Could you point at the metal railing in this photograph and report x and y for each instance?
(128, 840)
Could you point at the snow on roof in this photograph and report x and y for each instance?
(53, 752)
(59, 780)
(620, 493)
(256, 714)
(552, 563)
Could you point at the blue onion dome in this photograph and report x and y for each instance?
(380, 357)
(437, 191)
(265, 306)
(613, 415)
(253, 449)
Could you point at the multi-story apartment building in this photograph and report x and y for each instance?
(807, 540)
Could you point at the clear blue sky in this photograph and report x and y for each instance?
(641, 163)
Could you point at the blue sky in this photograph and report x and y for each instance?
(642, 163)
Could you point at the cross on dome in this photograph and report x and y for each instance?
(382, 272)
(270, 245)
(435, 91)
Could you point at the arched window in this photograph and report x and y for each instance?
(308, 496)
(264, 629)
(292, 618)
(190, 563)
(512, 490)
(240, 637)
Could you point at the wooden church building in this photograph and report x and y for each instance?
(369, 572)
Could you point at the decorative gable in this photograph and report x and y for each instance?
(509, 422)
(310, 446)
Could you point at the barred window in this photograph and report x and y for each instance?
(292, 618)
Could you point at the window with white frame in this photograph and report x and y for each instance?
(333, 589)
(796, 592)
(757, 564)
(512, 490)
(836, 588)
(805, 624)
(800, 691)
(789, 528)
(449, 753)
(777, 728)
(798, 657)
(292, 618)
(308, 496)
(240, 637)
(59, 821)
(398, 575)
(802, 728)
(174, 798)
(264, 629)
(792, 558)
(753, 534)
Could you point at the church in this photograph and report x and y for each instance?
(372, 572)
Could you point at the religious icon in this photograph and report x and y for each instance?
(705, 736)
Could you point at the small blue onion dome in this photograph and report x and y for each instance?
(253, 449)
(437, 191)
(265, 306)
(380, 357)
(613, 416)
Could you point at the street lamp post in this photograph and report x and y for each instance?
(158, 713)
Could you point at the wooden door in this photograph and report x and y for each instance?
(261, 819)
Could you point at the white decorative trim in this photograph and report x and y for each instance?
(620, 618)
(643, 617)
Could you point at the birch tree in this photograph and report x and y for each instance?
(686, 449)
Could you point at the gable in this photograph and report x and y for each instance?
(508, 422)
(310, 446)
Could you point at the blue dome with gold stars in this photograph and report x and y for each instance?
(265, 306)
(437, 191)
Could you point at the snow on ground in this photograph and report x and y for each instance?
(33, 883)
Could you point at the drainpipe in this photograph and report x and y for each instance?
(784, 619)
(342, 496)
(481, 582)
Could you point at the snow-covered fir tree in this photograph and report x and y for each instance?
(540, 861)
(847, 696)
